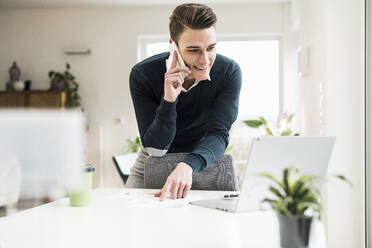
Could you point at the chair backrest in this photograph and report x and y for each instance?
(121, 174)
(124, 163)
(220, 175)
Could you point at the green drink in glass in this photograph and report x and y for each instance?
(81, 197)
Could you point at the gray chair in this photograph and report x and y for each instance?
(220, 175)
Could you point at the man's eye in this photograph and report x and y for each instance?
(193, 50)
(211, 48)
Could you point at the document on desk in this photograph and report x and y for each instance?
(148, 199)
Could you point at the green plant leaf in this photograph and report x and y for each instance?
(286, 175)
(311, 198)
(299, 183)
(68, 66)
(268, 130)
(263, 120)
(228, 149)
(282, 207)
(133, 145)
(303, 194)
(271, 177)
(276, 192)
(253, 123)
(343, 178)
(272, 202)
(292, 207)
(75, 85)
(290, 117)
(303, 206)
(287, 132)
(297, 188)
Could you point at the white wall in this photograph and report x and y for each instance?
(290, 83)
(333, 32)
(35, 38)
(369, 121)
(311, 36)
(345, 79)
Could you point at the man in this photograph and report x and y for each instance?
(192, 114)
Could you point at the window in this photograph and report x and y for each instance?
(259, 59)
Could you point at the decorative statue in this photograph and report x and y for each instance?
(14, 74)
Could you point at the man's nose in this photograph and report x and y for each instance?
(203, 59)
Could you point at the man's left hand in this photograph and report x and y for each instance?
(178, 182)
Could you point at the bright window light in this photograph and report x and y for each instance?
(259, 61)
(156, 47)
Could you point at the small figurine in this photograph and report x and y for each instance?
(14, 74)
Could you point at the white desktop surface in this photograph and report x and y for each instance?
(133, 218)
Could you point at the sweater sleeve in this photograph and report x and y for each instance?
(224, 113)
(156, 122)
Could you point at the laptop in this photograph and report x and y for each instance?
(310, 154)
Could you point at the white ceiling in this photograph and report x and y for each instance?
(73, 3)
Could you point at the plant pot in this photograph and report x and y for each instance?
(60, 85)
(294, 231)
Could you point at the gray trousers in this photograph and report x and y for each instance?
(137, 172)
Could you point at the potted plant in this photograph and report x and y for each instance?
(133, 145)
(280, 129)
(296, 201)
(65, 81)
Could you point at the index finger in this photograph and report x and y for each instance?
(164, 191)
(178, 69)
(174, 61)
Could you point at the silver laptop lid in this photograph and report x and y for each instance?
(272, 154)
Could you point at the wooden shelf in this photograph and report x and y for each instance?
(32, 99)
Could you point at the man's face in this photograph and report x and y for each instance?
(198, 50)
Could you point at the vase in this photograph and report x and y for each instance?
(19, 85)
(294, 231)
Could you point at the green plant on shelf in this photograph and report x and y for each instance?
(66, 81)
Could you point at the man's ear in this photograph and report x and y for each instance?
(170, 40)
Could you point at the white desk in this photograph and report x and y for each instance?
(132, 218)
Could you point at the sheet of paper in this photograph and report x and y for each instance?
(148, 199)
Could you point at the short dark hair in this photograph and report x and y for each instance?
(190, 15)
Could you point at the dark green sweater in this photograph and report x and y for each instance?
(198, 122)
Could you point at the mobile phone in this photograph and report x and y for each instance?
(173, 47)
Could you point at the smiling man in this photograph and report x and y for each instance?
(189, 108)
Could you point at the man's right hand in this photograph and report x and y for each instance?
(173, 80)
